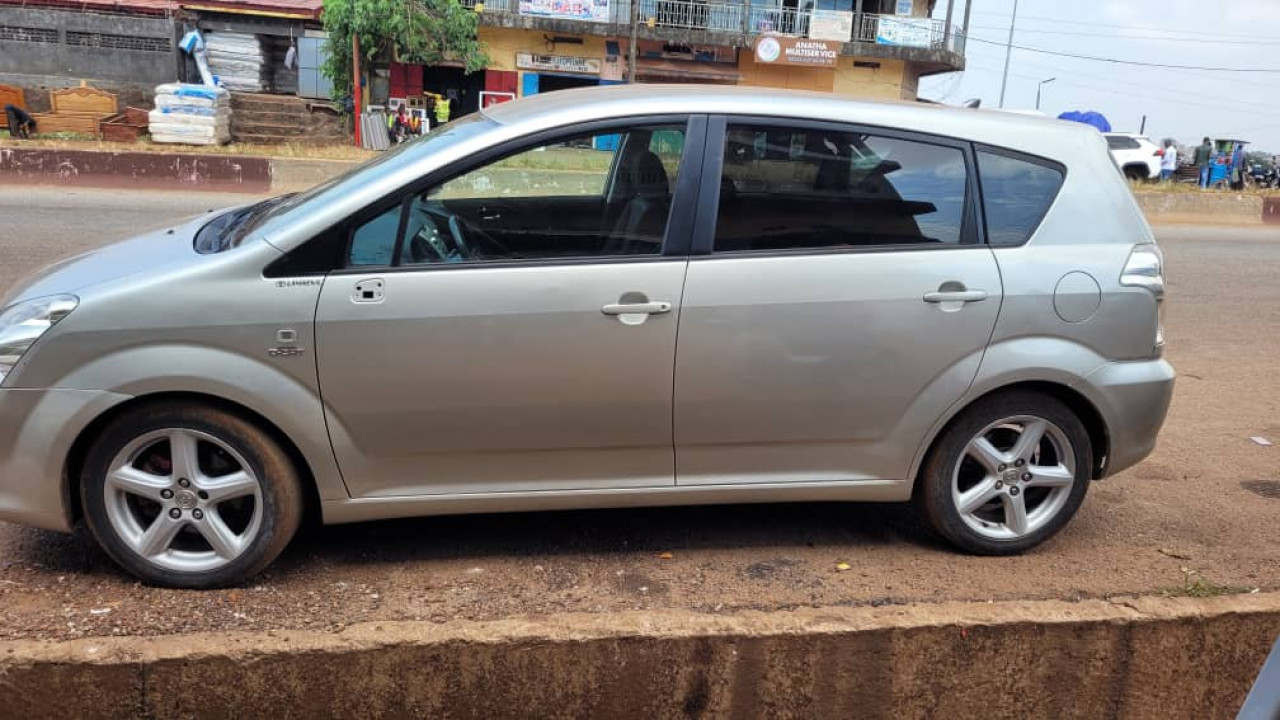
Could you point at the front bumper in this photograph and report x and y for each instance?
(1133, 398)
(37, 430)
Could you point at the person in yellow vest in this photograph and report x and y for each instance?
(442, 110)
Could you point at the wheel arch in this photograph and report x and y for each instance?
(74, 465)
(1094, 422)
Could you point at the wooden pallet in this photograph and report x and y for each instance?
(10, 95)
(76, 110)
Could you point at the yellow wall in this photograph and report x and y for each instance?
(884, 82)
(504, 43)
(890, 80)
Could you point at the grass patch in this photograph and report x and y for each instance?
(1195, 585)
(1148, 188)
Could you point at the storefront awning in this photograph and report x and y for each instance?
(686, 71)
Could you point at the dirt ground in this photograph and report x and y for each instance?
(1204, 509)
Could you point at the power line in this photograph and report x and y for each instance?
(1061, 21)
(1115, 36)
(1117, 61)
(1126, 92)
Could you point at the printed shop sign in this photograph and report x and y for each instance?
(590, 10)
(914, 32)
(558, 63)
(831, 25)
(775, 50)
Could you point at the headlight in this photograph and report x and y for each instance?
(22, 324)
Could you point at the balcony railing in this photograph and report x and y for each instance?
(745, 18)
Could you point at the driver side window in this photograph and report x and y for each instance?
(605, 194)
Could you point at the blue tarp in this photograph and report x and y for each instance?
(1088, 117)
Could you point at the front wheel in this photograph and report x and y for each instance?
(189, 496)
(1007, 474)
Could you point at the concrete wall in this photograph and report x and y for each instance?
(1137, 658)
(42, 48)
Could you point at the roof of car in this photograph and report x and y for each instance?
(568, 107)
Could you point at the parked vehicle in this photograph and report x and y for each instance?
(1229, 164)
(874, 303)
(1263, 176)
(1137, 156)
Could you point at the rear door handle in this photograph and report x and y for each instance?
(646, 308)
(965, 296)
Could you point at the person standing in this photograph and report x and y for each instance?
(1204, 160)
(1169, 161)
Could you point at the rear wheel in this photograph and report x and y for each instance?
(1007, 474)
(190, 496)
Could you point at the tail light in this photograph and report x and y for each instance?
(1145, 269)
(1159, 152)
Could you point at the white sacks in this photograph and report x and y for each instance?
(238, 60)
(191, 114)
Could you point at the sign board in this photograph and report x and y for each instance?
(589, 10)
(904, 7)
(805, 52)
(558, 64)
(915, 32)
(831, 25)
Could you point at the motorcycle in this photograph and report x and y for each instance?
(1261, 176)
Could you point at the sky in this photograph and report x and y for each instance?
(1183, 104)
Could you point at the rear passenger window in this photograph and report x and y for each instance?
(1016, 194)
(792, 188)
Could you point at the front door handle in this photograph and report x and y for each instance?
(963, 296)
(645, 308)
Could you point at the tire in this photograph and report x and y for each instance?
(1060, 466)
(223, 525)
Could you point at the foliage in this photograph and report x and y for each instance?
(414, 31)
(1257, 157)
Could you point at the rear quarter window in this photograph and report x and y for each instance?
(1118, 142)
(1016, 195)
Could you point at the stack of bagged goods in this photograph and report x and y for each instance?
(238, 60)
(191, 114)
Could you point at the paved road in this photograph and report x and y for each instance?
(1208, 501)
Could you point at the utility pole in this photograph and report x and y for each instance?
(1143, 129)
(946, 30)
(1040, 87)
(1008, 51)
(356, 99)
(635, 33)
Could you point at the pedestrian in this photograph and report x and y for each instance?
(1204, 160)
(1169, 161)
(20, 123)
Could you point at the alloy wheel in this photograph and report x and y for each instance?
(183, 500)
(1013, 477)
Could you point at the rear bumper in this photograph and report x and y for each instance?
(1133, 398)
(37, 430)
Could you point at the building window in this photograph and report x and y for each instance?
(13, 33)
(117, 42)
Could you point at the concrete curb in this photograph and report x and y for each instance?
(1200, 208)
(1138, 658)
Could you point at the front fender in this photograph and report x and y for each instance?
(291, 405)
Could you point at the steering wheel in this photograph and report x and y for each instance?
(459, 238)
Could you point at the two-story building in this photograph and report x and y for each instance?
(861, 48)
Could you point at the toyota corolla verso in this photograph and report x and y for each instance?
(604, 298)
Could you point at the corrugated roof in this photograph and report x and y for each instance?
(293, 8)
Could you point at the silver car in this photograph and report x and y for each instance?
(604, 298)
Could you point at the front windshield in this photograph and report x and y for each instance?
(231, 229)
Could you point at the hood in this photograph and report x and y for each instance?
(149, 253)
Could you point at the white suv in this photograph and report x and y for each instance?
(1137, 156)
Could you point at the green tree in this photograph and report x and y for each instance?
(415, 31)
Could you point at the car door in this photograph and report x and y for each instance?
(838, 301)
(511, 326)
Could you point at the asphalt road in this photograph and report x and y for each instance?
(1204, 510)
